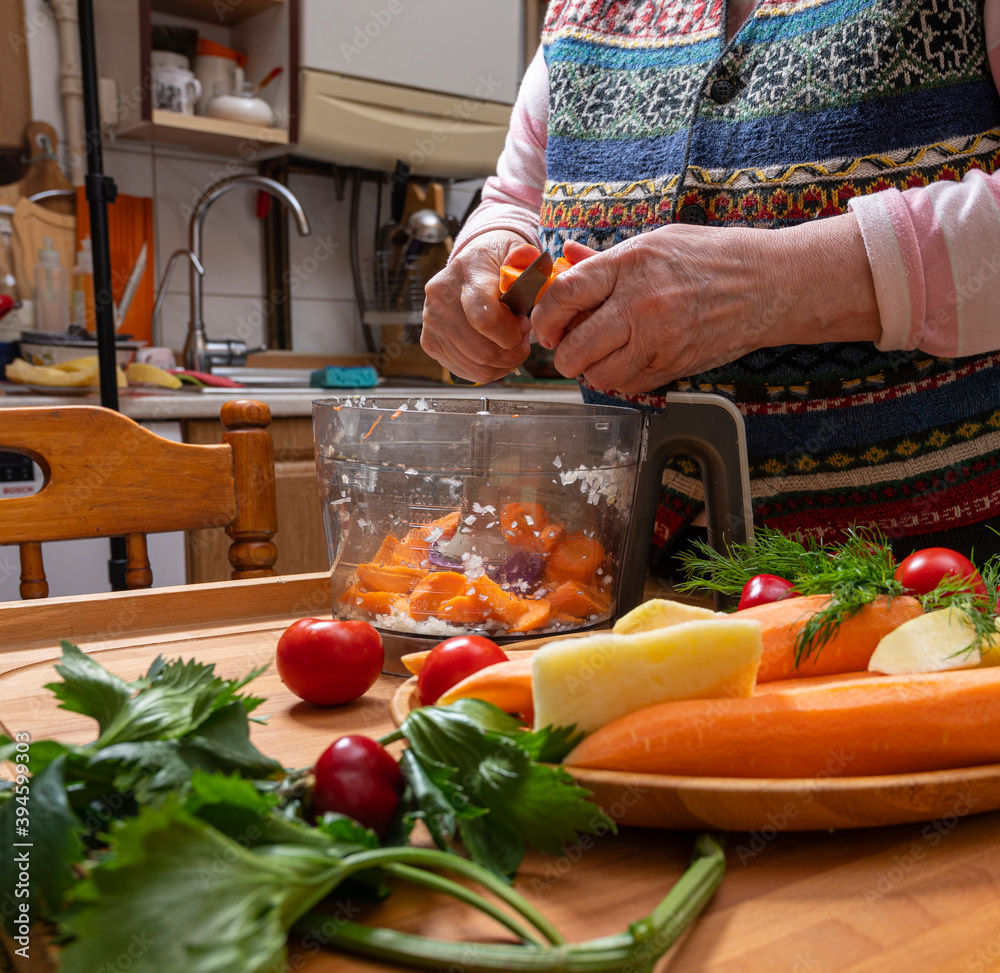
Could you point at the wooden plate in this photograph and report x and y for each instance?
(767, 806)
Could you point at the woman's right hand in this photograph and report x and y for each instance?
(465, 327)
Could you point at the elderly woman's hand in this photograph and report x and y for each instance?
(683, 299)
(465, 326)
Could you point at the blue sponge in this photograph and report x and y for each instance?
(350, 377)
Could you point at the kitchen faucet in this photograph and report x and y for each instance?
(200, 353)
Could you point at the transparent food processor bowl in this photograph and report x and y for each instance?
(454, 516)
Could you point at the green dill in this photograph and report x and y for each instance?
(853, 573)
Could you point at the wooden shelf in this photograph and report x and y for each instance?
(223, 13)
(204, 134)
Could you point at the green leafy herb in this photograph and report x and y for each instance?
(474, 770)
(853, 574)
(154, 735)
(175, 894)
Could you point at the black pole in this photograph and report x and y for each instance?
(100, 191)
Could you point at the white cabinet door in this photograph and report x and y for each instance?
(469, 48)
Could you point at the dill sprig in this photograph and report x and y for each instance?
(853, 573)
(975, 610)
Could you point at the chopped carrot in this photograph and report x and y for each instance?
(535, 615)
(579, 601)
(465, 610)
(576, 558)
(434, 590)
(502, 605)
(389, 577)
(848, 727)
(850, 648)
(375, 602)
(521, 520)
(504, 684)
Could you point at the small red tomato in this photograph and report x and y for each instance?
(450, 661)
(922, 571)
(762, 589)
(356, 776)
(327, 661)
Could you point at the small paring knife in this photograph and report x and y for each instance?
(520, 296)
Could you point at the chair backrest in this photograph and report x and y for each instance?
(107, 476)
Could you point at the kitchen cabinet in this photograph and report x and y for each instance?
(300, 540)
(265, 30)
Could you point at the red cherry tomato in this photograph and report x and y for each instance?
(762, 589)
(327, 661)
(450, 661)
(356, 776)
(922, 571)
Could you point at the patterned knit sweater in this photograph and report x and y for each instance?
(653, 117)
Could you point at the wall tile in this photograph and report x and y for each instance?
(226, 316)
(320, 263)
(131, 169)
(231, 242)
(333, 327)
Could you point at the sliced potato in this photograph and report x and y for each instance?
(659, 613)
(935, 642)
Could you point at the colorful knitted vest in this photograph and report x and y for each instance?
(654, 118)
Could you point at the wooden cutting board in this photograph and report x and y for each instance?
(919, 897)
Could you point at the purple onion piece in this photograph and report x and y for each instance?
(444, 561)
(523, 567)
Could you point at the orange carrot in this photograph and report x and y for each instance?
(848, 651)
(527, 525)
(434, 590)
(847, 727)
(576, 558)
(504, 684)
(374, 602)
(578, 600)
(536, 614)
(389, 577)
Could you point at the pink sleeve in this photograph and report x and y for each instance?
(935, 254)
(513, 197)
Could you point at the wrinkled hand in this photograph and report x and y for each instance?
(465, 327)
(683, 299)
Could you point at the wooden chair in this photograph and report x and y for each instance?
(107, 476)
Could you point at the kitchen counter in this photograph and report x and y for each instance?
(166, 406)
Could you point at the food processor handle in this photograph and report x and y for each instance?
(710, 429)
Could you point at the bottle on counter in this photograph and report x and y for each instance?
(82, 288)
(51, 290)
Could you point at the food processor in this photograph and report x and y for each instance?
(513, 520)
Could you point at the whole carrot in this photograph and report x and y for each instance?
(848, 650)
(865, 725)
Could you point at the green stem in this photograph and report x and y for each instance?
(638, 949)
(441, 884)
(432, 858)
(391, 737)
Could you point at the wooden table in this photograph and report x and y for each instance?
(917, 898)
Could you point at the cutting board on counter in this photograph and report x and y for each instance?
(130, 225)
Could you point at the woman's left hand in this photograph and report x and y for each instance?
(683, 299)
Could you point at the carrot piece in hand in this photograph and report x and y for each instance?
(848, 651)
(849, 727)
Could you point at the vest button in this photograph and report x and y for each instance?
(693, 214)
(722, 91)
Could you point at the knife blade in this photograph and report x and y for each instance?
(521, 295)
